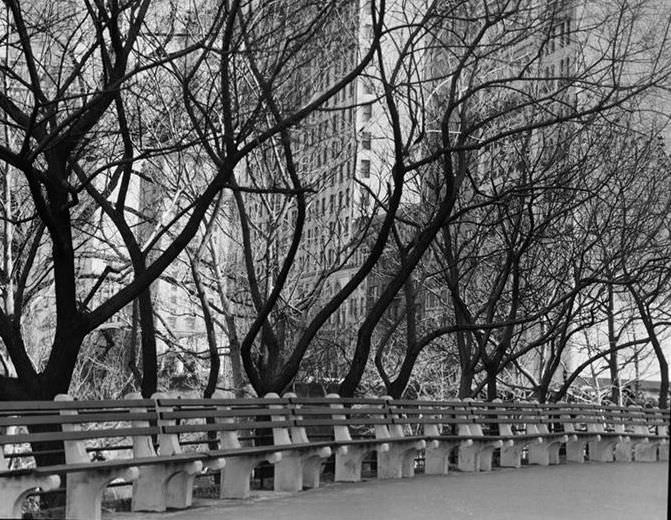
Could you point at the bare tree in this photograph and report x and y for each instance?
(492, 84)
(88, 90)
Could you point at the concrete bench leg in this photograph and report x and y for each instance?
(478, 456)
(14, 491)
(289, 473)
(437, 457)
(624, 450)
(237, 473)
(511, 456)
(398, 461)
(664, 451)
(487, 453)
(408, 463)
(545, 452)
(164, 486)
(85, 491)
(348, 463)
(312, 467)
(179, 493)
(575, 450)
(602, 450)
(292, 470)
(645, 452)
(539, 454)
(467, 457)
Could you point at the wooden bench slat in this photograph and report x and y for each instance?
(111, 416)
(241, 403)
(7, 407)
(23, 438)
(213, 427)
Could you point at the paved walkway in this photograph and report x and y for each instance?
(613, 491)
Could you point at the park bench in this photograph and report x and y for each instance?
(160, 445)
(632, 427)
(475, 430)
(438, 422)
(533, 428)
(519, 424)
(301, 466)
(140, 439)
(355, 429)
(451, 426)
(642, 434)
(543, 423)
(612, 432)
(660, 420)
(612, 429)
(93, 442)
(229, 429)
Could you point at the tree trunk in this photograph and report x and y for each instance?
(358, 366)
(148, 332)
(398, 386)
(132, 357)
(215, 363)
(656, 346)
(613, 358)
(466, 382)
(664, 370)
(237, 371)
(491, 383)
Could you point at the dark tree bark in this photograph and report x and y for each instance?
(656, 345)
(215, 362)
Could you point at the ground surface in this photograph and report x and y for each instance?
(572, 491)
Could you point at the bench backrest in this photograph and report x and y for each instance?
(194, 422)
(75, 429)
(131, 425)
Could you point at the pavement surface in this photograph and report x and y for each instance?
(571, 491)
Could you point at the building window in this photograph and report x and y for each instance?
(365, 197)
(367, 112)
(365, 140)
(567, 32)
(365, 168)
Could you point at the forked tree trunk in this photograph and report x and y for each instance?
(491, 384)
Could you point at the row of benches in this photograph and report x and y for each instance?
(161, 445)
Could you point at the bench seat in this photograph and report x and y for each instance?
(174, 440)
